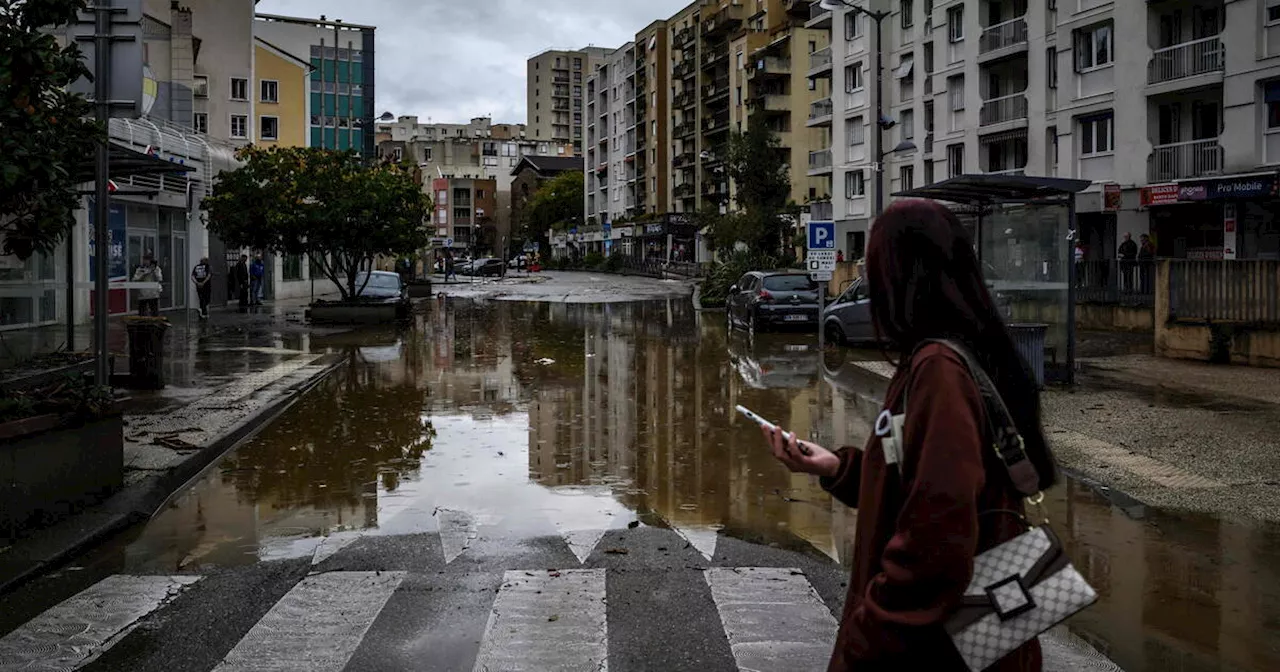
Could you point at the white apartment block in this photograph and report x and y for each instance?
(610, 161)
(1182, 95)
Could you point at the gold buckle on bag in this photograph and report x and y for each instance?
(1037, 502)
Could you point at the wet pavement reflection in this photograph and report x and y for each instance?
(539, 418)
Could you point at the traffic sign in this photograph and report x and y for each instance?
(820, 276)
(822, 260)
(822, 235)
(448, 242)
(820, 265)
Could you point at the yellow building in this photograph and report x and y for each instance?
(282, 103)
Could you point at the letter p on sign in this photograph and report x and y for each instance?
(822, 235)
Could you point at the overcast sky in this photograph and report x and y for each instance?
(451, 60)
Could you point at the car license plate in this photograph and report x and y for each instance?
(796, 318)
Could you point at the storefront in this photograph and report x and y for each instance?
(1234, 217)
(673, 238)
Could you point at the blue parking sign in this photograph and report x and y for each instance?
(822, 235)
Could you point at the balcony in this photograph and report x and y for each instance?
(1189, 59)
(771, 102)
(683, 159)
(821, 211)
(770, 66)
(684, 130)
(715, 56)
(685, 68)
(1004, 37)
(686, 190)
(1183, 160)
(820, 162)
(683, 37)
(724, 21)
(715, 90)
(684, 99)
(1002, 110)
(818, 17)
(820, 113)
(560, 79)
(820, 62)
(716, 123)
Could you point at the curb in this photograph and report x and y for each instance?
(142, 501)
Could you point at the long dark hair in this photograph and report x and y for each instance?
(925, 282)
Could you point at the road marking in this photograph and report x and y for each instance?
(1138, 465)
(773, 618)
(702, 539)
(547, 620)
(316, 626)
(82, 627)
(582, 515)
(457, 531)
(333, 543)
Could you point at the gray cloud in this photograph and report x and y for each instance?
(451, 60)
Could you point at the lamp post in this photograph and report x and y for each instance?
(882, 123)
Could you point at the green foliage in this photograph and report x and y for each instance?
(558, 204)
(329, 205)
(758, 167)
(593, 261)
(614, 263)
(44, 132)
(723, 275)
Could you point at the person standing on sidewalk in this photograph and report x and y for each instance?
(921, 520)
(257, 273)
(148, 299)
(1128, 259)
(242, 280)
(202, 276)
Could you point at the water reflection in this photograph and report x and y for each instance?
(521, 420)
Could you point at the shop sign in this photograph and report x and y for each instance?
(117, 269)
(1257, 186)
(1111, 197)
(1164, 194)
(1229, 231)
(653, 229)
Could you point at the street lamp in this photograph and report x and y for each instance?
(882, 123)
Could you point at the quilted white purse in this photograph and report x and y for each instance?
(1026, 585)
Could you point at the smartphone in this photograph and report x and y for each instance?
(754, 417)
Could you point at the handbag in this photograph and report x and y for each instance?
(1026, 585)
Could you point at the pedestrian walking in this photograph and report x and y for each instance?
(242, 280)
(928, 487)
(449, 270)
(257, 276)
(149, 298)
(202, 276)
(839, 256)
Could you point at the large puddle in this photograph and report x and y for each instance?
(571, 419)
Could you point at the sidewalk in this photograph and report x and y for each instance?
(227, 377)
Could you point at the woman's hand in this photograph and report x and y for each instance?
(801, 456)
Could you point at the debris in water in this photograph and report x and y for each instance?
(633, 524)
(616, 551)
(545, 361)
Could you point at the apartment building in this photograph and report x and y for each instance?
(653, 137)
(281, 85)
(464, 212)
(554, 98)
(341, 56)
(612, 176)
(1167, 106)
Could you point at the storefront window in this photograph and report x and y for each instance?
(292, 269)
(28, 290)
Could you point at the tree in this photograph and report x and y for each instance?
(330, 206)
(758, 167)
(557, 204)
(44, 130)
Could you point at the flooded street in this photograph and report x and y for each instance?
(498, 424)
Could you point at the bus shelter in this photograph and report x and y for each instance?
(1025, 230)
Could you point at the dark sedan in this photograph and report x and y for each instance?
(762, 300)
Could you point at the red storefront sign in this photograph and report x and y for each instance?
(1164, 194)
(1112, 197)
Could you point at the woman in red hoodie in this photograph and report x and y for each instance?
(918, 527)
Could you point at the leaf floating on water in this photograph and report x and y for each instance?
(553, 617)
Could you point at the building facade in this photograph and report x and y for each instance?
(282, 83)
(611, 172)
(342, 58)
(554, 98)
(465, 213)
(653, 136)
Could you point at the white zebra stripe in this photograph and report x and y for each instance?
(78, 629)
(316, 626)
(773, 618)
(547, 620)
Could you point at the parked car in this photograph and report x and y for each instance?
(762, 300)
(382, 286)
(848, 319)
(483, 267)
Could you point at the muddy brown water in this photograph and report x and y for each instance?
(588, 415)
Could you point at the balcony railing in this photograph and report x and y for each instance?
(684, 99)
(1183, 160)
(770, 65)
(684, 129)
(716, 89)
(683, 159)
(684, 36)
(685, 190)
(821, 211)
(684, 68)
(1187, 60)
(820, 59)
(821, 108)
(714, 56)
(1000, 110)
(820, 160)
(1007, 34)
(816, 11)
(714, 124)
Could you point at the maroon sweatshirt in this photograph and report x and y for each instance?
(918, 528)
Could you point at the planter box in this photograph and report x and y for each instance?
(420, 289)
(49, 471)
(358, 313)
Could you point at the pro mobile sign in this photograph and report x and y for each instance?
(1227, 188)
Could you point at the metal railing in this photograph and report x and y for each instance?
(821, 211)
(1241, 291)
(1187, 60)
(659, 268)
(821, 108)
(1005, 108)
(1007, 34)
(684, 129)
(771, 64)
(1181, 160)
(820, 159)
(816, 10)
(1116, 282)
(820, 59)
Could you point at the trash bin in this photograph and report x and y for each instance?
(1029, 340)
(146, 352)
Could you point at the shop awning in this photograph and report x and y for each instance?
(984, 190)
(125, 162)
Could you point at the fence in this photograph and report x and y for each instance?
(658, 268)
(1112, 282)
(1240, 291)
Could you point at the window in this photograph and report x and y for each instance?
(426, 154)
(1051, 67)
(955, 92)
(739, 95)
(741, 59)
(853, 77)
(906, 175)
(291, 269)
(270, 91)
(269, 127)
(239, 126)
(955, 160)
(442, 216)
(200, 86)
(201, 122)
(908, 124)
(906, 7)
(1271, 95)
(490, 160)
(1273, 12)
(852, 25)
(955, 23)
(1093, 47)
(1096, 134)
(239, 88)
(854, 184)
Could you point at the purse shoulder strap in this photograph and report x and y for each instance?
(1002, 430)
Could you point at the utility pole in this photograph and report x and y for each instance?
(102, 209)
